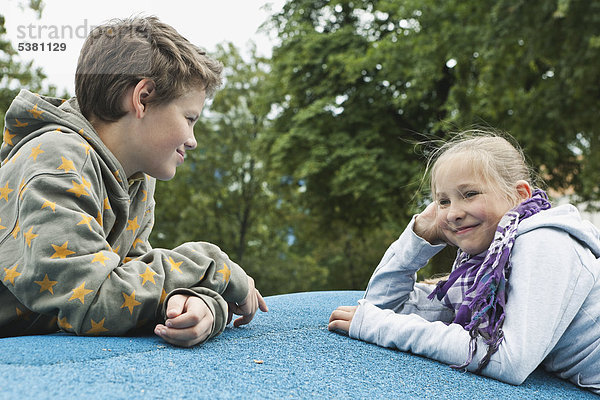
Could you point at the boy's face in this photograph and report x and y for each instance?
(167, 133)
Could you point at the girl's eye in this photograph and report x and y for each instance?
(443, 202)
(471, 194)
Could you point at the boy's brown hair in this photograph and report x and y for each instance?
(120, 53)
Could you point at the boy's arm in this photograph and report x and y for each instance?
(68, 268)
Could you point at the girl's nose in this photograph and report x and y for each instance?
(455, 213)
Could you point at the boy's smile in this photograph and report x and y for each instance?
(167, 132)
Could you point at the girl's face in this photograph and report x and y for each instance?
(469, 210)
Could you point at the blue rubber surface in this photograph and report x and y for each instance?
(286, 353)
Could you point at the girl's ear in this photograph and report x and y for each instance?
(140, 95)
(524, 190)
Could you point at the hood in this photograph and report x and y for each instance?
(568, 219)
(30, 115)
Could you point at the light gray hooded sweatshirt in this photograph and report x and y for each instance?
(74, 250)
(552, 311)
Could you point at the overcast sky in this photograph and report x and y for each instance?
(65, 23)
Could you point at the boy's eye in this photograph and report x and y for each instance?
(470, 194)
(443, 202)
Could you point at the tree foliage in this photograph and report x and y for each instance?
(15, 74)
(357, 83)
(221, 193)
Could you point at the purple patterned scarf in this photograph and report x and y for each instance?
(476, 287)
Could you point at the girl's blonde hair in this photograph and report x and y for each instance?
(495, 156)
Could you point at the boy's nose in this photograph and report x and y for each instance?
(191, 143)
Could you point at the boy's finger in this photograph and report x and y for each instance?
(175, 305)
(185, 337)
(243, 320)
(262, 304)
(193, 314)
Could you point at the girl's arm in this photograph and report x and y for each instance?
(548, 284)
(394, 278)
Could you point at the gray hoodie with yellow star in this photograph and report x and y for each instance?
(74, 250)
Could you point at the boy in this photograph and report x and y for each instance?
(76, 198)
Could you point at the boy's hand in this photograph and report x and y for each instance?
(428, 226)
(189, 321)
(341, 318)
(253, 302)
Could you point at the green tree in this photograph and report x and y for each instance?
(14, 73)
(222, 194)
(358, 83)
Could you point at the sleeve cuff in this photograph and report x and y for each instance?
(216, 304)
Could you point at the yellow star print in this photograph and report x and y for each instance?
(14, 158)
(16, 231)
(99, 218)
(85, 220)
(106, 204)
(5, 191)
(22, 188)
(2, 226)
(8, 137)
(174, 265)
(100, 257)
(145, 192)
(61, 251)
(67, 165)
(48, 203)
(226, 272)
(11, 274)
(79, 293)
(20, 124)
(78, 189)
(136, 241)
(62, 322)
(35, 152)
(23, 314)
(46, 284)
(130, 302)
(35, 112)
(163, 296)
(148, 275)
(97, 327)
(132, 225)
(86, 146)
(86, 183)
(29, 236)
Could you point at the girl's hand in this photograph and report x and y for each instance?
(253, 302)
(341, 318)
(189, 321)
(428, 225)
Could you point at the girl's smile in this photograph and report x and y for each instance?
(469, 209)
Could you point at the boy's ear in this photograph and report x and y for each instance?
(142, 92)
(524, 190)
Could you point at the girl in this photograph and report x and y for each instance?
(524, 289)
